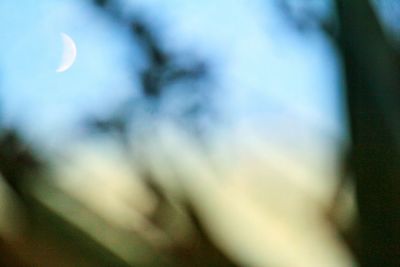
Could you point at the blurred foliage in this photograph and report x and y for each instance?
(373, 94)
(17, 159)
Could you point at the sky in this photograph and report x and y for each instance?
(263, 67)
(45, 103)
(271, 81)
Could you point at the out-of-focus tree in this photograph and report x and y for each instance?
(373, 96)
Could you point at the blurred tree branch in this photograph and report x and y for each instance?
(163, 70)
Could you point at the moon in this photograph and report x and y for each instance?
(69, 53)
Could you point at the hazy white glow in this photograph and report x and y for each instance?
(69, 53)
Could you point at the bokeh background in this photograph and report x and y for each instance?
(186, 133)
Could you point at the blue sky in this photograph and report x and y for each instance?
(266, 72)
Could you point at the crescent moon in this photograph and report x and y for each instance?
(69, 53)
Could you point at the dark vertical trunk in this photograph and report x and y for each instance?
(373, 94)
